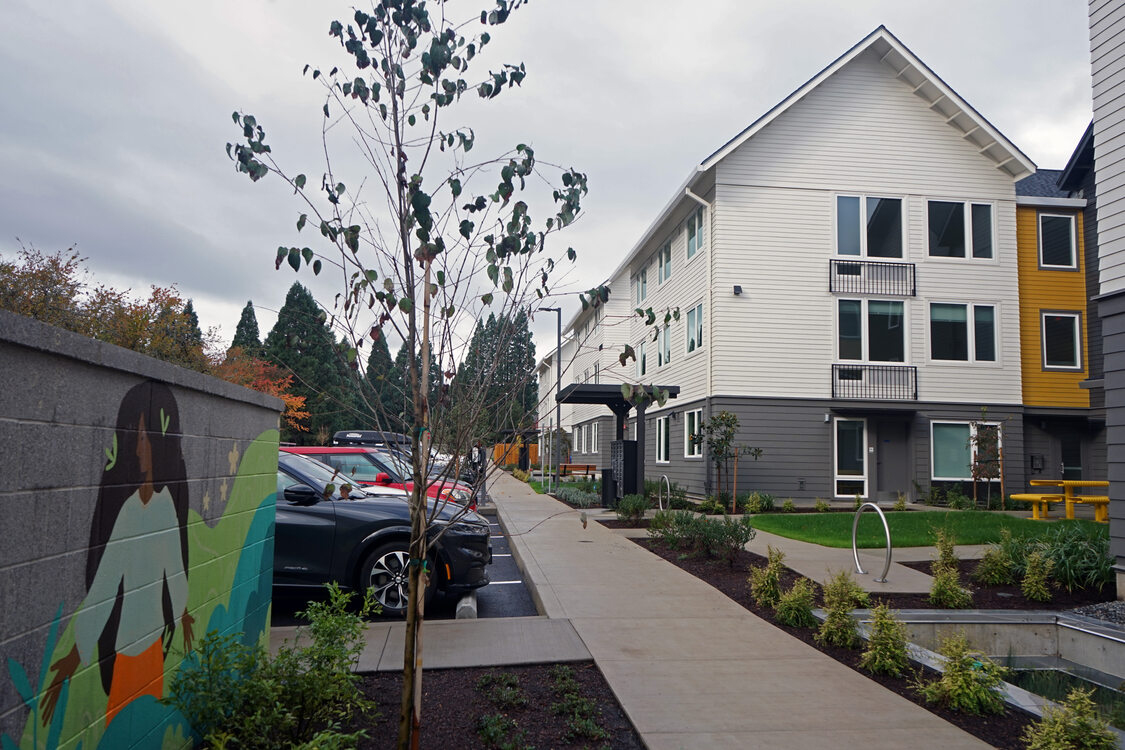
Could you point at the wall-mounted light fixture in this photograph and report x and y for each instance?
(737, 289)
(827, 417)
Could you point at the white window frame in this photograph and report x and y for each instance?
(597, 373)
(865, 339)
(594, 438)
(642, 358)
(664, 263)
(663, 345)
(692, 450)
(663, 440)
(863, 225)
(1077, 318)
(836, 477)
(696, 311)
(972, 447)
(698, 236)
(967, 230)
(642, 284)
(971, 333)
(1073, 241)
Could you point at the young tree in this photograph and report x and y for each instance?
(246, 336)
(242, 368)
(435, 240)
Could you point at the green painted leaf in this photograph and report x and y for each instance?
(22, 684)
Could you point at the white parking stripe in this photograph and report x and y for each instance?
(500, 583)
(501, 554)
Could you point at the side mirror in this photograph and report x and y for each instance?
(382, 478)
(301, 494)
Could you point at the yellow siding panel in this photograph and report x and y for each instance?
(1048, 290)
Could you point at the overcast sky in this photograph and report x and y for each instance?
(114, 114)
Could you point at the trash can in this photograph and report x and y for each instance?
(609, 489)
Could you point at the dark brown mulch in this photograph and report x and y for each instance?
(617, 523)
(453, 704)
(1002, 731)
(1000, 597)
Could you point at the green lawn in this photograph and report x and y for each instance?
(908, 528)
(536, 485)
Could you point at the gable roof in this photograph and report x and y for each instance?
(926, 84)
(1042, 184)
(1080, 163)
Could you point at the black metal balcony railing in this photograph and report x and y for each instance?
(871, 277)
(875, 382)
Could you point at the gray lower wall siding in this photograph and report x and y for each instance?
(121, 472)
(1112, 310)
(797, 445)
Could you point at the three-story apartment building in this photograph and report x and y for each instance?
(845, 277)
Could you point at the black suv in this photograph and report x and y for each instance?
(328, 530)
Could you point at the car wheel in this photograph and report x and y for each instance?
(386, 571)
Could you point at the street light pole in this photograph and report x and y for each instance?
(555, 447)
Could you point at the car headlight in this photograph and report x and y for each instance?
(461, 497)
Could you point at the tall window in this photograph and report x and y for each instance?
(642, 284)
(953, 338)
(695, 328)
(695, 236)
(851, 457)
(594, 447)
(1062, 340)
(882, 328)
(869, 226)
(663, 345)
(693, 424)
(642, 359)
(580, 438)
(664, 263)
(953, 449)
(960, 230)
(1056, 242)
(597, 373)
(662, 440)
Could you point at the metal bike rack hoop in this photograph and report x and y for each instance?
(660, 492)
(855, 550)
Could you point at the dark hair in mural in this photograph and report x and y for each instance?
(148, 413)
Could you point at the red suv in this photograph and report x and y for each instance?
(367, 466)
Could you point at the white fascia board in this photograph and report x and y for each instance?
(1035, 200)
(911, 60)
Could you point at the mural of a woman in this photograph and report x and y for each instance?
(136, 567)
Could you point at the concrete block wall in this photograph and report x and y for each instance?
(136, 515)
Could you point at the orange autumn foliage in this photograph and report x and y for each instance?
(243, 369)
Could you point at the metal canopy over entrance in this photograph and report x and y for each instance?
(610, 395)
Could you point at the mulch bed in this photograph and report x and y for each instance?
(1002, 731)
(1000, 597)
(452, 705)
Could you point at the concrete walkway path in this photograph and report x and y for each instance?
(691, 668)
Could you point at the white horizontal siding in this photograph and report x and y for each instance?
(863, 130)
(1107, 44)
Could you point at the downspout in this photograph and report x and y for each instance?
(710, 306)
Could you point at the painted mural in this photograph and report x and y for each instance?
(156, 577)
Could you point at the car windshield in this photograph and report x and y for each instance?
(321, 473)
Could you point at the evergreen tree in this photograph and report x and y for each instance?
(500, 363)
(302, 344)
(401, 403)
(194, 334)
(380, 387)
(246, 336)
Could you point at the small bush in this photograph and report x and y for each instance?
(521, 475)
(1035, 584)
(1080, 556)
(947, 555)
(794, 607)
(502, 690)
(900, 503)
(631, 508)
(946, 590)
(858, 502)
(493, 729)
(578, 497)
(957, 500)
(996, 567)
(726, 538)
(886, 648)
(756, 502)
(788, 506)
(765, 583)
(841, 595)
(822, 506)
(970, 682)
(842, 588)
(1074, 726)
(712, 507)
(677, 529)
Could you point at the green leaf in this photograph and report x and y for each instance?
(626, 355)
(626, 391)
(301, 222)
(316, 267)
(371, 274)
(570, 254)
(307, 254)
(455, 187)
(295, 258)
(441, 277)
(411, 120)
(466, 228)
(406, 304)
(486, 298)
(326, 109)
(299, 181)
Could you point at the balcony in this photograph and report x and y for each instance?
(875, 382)
(871, 277)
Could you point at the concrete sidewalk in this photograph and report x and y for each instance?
(691, 668)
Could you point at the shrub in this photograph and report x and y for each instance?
(1079, 556)
(521, 475)
(712, 507)
(788, 506)
(765, 583)
(822, 506)
(1035, 584)
(996, 567)
(858, 502)
(900, 503)
(493, 729)
(841, 595)
(970, 682)
(947, 555)
(1074, 726)
(679, 499)
(631, 508)
(886, 648)
(502, 689)
(234, 694)
(794, 607)
(726, 538)
(578, 497)
(957, 500)
(946, 590)
(677, 529)
(756, 502)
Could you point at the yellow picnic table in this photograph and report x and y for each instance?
(1100, 502)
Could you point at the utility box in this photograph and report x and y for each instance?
(609, 489)
(623, 462)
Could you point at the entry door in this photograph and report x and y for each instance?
(892, 459)
(1070, 451)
